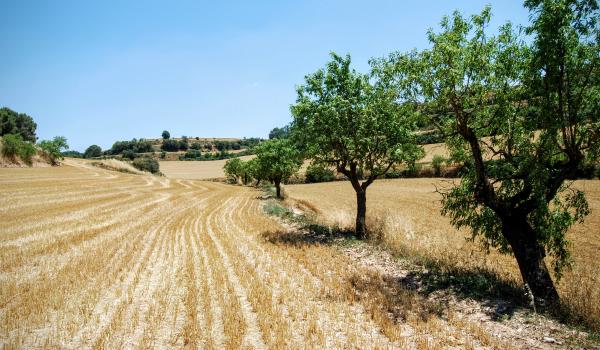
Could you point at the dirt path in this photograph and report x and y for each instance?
(96, 259)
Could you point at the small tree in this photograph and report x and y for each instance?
(54, 148)
(277, 160)
(233, 169)
(169, 146)
(347, 121)
(166, 135)
(437, 162)
(92, 152)
(15, 123)
(148, 164)
(522, 119)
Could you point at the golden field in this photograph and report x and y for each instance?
(408, 212)
(195, 170)
(91, 258)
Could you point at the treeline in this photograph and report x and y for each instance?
(19, 139)
(519, 111)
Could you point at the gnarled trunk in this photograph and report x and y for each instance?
(530, 254)
(361, 211)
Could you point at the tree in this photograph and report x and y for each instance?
(522, 119)
(233, 168)
(54, 148)
(349, 121)
(166, 135)
(277, 160)
(15, 123)
(92, 152)
(279, 133)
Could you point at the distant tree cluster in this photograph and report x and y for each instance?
(15, 123)
(92, 152)
(135, 146)
(280, 133)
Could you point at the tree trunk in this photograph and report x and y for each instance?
(278, 188)
(530, 258)
(361, 210)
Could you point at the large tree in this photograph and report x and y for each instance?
(15, 123)
(351, 121)
(522, 119)
(277, 160)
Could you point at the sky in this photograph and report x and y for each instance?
(101, 71)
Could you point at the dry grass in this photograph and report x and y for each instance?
(407, 213)
(91, 258)
(195, 170)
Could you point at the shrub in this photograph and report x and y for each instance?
(183, 145)
(11, 144)
(170, 145)
(128, 154)
(92, 152)
(196, 146)
(192, 154)
(146, 164)
(53, 148)
(163, 154)
(437, 163)
(318, 173)
(26, 152)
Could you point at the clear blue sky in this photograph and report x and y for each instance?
(101, 71)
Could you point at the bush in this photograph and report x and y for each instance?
(183, 145)
(170, 145)
(317, 173)
(54, 147)
(14, 123)
(192, 154)
(437, 163)
(146, 164)
(92, 152)
(163, 155)
(128, 154)
(11, 144)
(196, 146)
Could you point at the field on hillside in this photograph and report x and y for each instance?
(91, 258)
(408, 211)
(195, 170)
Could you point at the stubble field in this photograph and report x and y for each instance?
(91, 258)
(407, 211)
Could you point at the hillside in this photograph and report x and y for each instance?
(38, 160)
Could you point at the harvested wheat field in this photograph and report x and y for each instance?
(195, 170)
(92, 258)
(407, 212)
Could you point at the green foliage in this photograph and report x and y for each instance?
(280, 133)
(72, 154)
(166, 135)
(350, 122)
(318, 173)
(15, 123)
(193, 154)
(14, 145)
(53, 148)
(163, 155)
(183, 145)
(437, 162)
(277, 160)
(128, 154)
(136, 146)
(92, 152)
(470, 85)
(196, 145)
(146, 164)
(234, 168)
(170, 145)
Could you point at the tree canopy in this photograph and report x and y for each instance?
(522, 118)
(92, 152)
(15, 123)
(277, 160)
(351, 121)
(166, 135)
